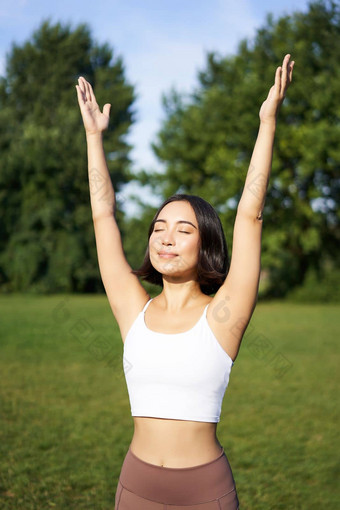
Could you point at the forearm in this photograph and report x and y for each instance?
(256, 183)
(101, 190)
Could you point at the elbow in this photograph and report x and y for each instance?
(254, 214)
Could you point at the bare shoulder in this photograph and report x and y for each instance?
(228, 321)
(127, 310)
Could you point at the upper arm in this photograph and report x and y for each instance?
(232, 306)
(125, 293)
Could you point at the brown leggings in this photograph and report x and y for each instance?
(144, 486)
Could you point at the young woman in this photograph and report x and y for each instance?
(180, 346)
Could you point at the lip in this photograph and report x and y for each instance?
(167, 255)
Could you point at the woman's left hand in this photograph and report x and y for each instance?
(283, 78)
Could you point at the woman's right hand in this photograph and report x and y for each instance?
(94, 120)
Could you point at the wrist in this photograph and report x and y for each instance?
(94, 135)
(269, 123)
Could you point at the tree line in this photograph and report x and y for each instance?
(46, 234)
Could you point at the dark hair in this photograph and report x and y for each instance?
(213, 259)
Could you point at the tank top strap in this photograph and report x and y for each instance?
(203, 317)
(147, 304)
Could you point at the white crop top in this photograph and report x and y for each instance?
(181, 376)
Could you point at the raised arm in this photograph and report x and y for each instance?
(255, 187)
(95, 122)
(234, 303)
(125, 293)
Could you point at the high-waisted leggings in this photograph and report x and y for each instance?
(144, 486)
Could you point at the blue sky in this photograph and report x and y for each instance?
(162, 43)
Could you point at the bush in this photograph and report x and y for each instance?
(315, 289)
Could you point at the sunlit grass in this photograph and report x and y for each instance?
(65, 416)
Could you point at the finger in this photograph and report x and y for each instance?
(81, 84)
(284, 73)
(106, 109)
(289, 77)
(80, 96)
(277, 84)
(291, 71)
(87, 90)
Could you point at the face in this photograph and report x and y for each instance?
(175, 241)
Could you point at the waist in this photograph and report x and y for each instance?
(174, 443)
(179, 486)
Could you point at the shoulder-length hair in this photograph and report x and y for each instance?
(213, 260)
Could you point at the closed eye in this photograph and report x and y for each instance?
(162, 230)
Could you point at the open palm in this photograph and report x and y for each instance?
(276, 95)
(94, 120)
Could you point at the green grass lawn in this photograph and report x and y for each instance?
(65, 416)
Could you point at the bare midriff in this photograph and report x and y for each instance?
(174, 443)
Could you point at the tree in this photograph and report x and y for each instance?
(207, 138)
(46, 235)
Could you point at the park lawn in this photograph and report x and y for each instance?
(65, 417)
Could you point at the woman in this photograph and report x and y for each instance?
(179, 347)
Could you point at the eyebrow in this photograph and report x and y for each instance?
(180, 221)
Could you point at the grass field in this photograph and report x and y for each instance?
(65, 416)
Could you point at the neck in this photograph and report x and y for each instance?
(176, 296)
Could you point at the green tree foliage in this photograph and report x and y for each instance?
(46, 233)
(207, 139)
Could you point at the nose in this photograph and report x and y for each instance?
(168, 238)
(165, 238)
